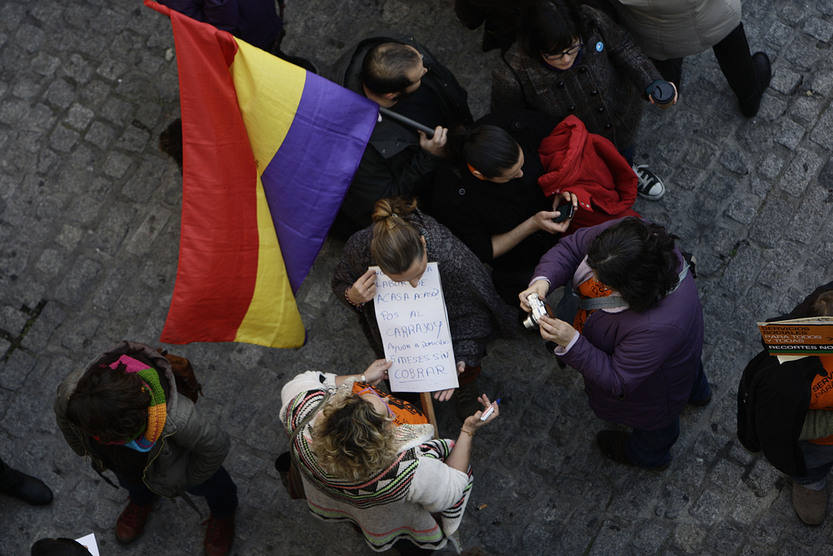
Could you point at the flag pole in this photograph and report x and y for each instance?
(428, 409)
(407, 121)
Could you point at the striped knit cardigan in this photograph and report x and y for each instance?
(396, 503)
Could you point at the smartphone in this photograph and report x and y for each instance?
(565, 212)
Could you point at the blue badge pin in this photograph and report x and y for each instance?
(600, 46)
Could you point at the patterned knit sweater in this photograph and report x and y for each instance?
(396, 503)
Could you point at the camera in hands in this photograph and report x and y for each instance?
(539, 309)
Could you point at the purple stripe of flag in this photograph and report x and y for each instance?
(307, 178)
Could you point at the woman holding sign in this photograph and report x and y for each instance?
(368, 458)
(401, 241)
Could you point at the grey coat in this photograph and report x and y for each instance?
(191, 448)
(475, 311)
(605, 88)
(677, 28)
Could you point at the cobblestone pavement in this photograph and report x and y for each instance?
(89, 222)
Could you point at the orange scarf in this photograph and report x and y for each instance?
(404, 413)
(590, 288)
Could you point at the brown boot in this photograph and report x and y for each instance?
(131, 522)
(219, 535)
(810, 505)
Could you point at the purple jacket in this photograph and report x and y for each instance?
(638, 368)
(254, 21)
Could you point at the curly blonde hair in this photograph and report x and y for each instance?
(350, 439)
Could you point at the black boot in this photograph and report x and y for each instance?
(747, 75)
(23, 487)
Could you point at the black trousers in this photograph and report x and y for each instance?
(735, 60)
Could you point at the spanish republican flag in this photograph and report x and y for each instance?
(268, 153)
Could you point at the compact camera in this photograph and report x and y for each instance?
(539, 309)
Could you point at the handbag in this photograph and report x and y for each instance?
(287, 464)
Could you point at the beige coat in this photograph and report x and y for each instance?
(677, 28)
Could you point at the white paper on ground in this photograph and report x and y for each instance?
(89, 543)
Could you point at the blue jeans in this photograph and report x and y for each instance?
(219, 491)
(652, 448)
(819, 460)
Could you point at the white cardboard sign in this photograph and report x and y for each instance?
(413, 322)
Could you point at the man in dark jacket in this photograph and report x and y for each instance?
(403, 76)
(125, 413)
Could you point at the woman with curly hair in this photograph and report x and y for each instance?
(401, 242)
(370, 459)
(637, 337)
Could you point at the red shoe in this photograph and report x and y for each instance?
(131, 522)
(219, 535)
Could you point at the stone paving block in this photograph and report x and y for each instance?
(77, 284)
(13, 373)
(29, 37)
(804, 52)
(805, 109)
(44, 64)
(63, 139)
(749, 506)
(60, 93)
(763, 478)
(13, 111)
(772, 211)
(727, 475)
(79, 117)
(744, 208)
(50, 262)
(822, 82)
(95, 92)
(801, 171)
(116, 164)
(688, 537)
(785, 81)
(822, 133)
(26, 88)
(789, 134)
(133, 139)
(100, 135)
(818, 28)
(613, 535)
(117, 110)
(111, 69)
(77, 68)
(50, 317)
(724, 538)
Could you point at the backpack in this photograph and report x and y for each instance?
(186, 381)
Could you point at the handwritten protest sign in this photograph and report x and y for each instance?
(414, 325)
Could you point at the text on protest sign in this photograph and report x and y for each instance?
(413, 323)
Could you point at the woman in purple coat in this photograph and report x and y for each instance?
(637, 337)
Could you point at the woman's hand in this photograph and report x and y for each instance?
(377, 371)
(473, 422)
(556, 330)
(445, 395)
(541, 287)
(364, 289)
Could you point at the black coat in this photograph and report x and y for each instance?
(393, 163)
(773, 400)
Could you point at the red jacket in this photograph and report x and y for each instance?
(589, 166)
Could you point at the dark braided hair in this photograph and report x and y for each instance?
(637, 259)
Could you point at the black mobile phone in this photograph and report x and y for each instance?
(565, 211)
